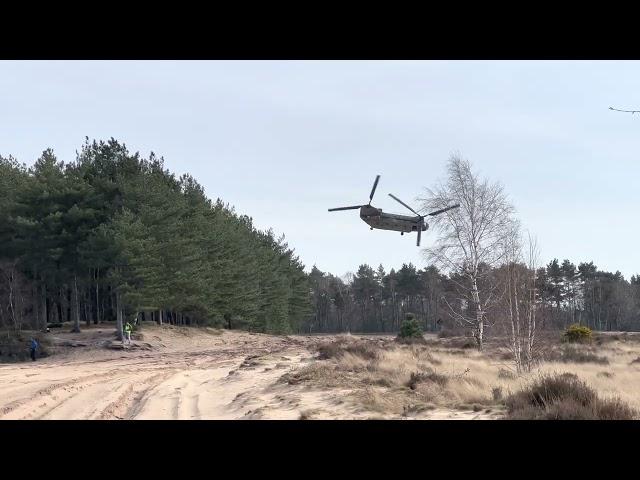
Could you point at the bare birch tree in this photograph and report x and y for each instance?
(470, 236)
(518, 275)
(513, 267)
(533, 257)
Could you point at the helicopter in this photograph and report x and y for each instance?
(376, 218)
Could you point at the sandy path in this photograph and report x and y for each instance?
(178, 374)
(229, 376)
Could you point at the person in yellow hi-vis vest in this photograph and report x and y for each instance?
(128, 328)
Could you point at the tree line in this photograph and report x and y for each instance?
(113, 236)
(375, 301)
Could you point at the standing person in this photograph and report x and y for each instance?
(128, 328)
(33, 347)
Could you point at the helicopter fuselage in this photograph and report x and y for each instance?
(376, 218)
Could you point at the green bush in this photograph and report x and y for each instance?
(577, 334)
(410, 327)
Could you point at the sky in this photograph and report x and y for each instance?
(283, 141)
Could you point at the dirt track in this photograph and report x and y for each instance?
(171, 374)
(174, 373)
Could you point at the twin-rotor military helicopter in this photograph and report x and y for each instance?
(376, 218)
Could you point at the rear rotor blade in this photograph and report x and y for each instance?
(401, 202)
(344, 208)
(419, 235)
(373, 190)
(438, 212)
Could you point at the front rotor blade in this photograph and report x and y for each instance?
(344, 208)
(401, 202)
(419, 234)
(373, 190)
(438, 212)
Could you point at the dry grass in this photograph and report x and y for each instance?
(343, 346)
(392, 379)
(429, 376)
(411, 340)
(316, 373)
(575, 354)
(448, 333)
(624, 337)
(564, 397)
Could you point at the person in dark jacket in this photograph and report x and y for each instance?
(33, 347)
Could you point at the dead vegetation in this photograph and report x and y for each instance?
(385, 377)
(377, 377)
(448, 333)
(338, 348)
(623, 337)
(399, 379)
(575, 354)
(507, 374)
(564, 397)
(426, 377)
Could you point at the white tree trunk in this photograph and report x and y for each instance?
(531, 328)
(479, 326)
(518, 338)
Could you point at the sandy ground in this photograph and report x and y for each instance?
(175, 373)
(172, 373)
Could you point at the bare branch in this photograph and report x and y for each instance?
(625, 111)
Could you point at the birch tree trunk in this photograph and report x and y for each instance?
(513, 342)
(479, 326)
(531, 327)
(531, 324)
(518, 344)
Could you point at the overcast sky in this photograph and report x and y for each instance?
(283, 141)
